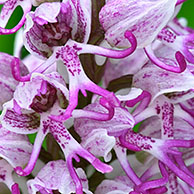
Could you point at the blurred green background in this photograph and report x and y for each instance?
(6, 41)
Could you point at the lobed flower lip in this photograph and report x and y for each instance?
(70, 147)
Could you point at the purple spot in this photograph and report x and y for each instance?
(2, 176)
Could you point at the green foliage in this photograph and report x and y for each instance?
(187, 12)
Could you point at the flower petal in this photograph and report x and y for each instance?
(99, 143)
(143, 18)
(15, 148)
(55, 176)
(158, 81)
(114, 186)
(24, 123)
(121, 121)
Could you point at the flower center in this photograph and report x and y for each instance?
(56, 34)
(43, 102)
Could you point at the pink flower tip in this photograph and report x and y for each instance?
(101, 167)
(15, 189)
(181, 61)
(132, 39)
(20, 171)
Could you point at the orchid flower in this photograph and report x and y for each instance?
(104, 134)
(182, 130)
(104, 81)
(175, 90)
(88, 130)
(67, 54)
(37, 102)
(143, 18)
(55, 176)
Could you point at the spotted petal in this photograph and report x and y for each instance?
(55, 176)
(14, 148)
(158, 81)
(121, 121)
(120, 185)
(6, 176)
(99, 143)
(143, 18)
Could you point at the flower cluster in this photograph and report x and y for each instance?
(106, 86)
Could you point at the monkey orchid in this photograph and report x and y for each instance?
(51, 37)
(104, 136)
(167, 90)
(145, 103)
(163, 150)
(182, 130)
(30, 112)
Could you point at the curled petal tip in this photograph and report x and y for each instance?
(15, 68)
(181, 61)
(20, 171)
(130, 35)
(132, 39)
(179, 68)
(101, 167)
